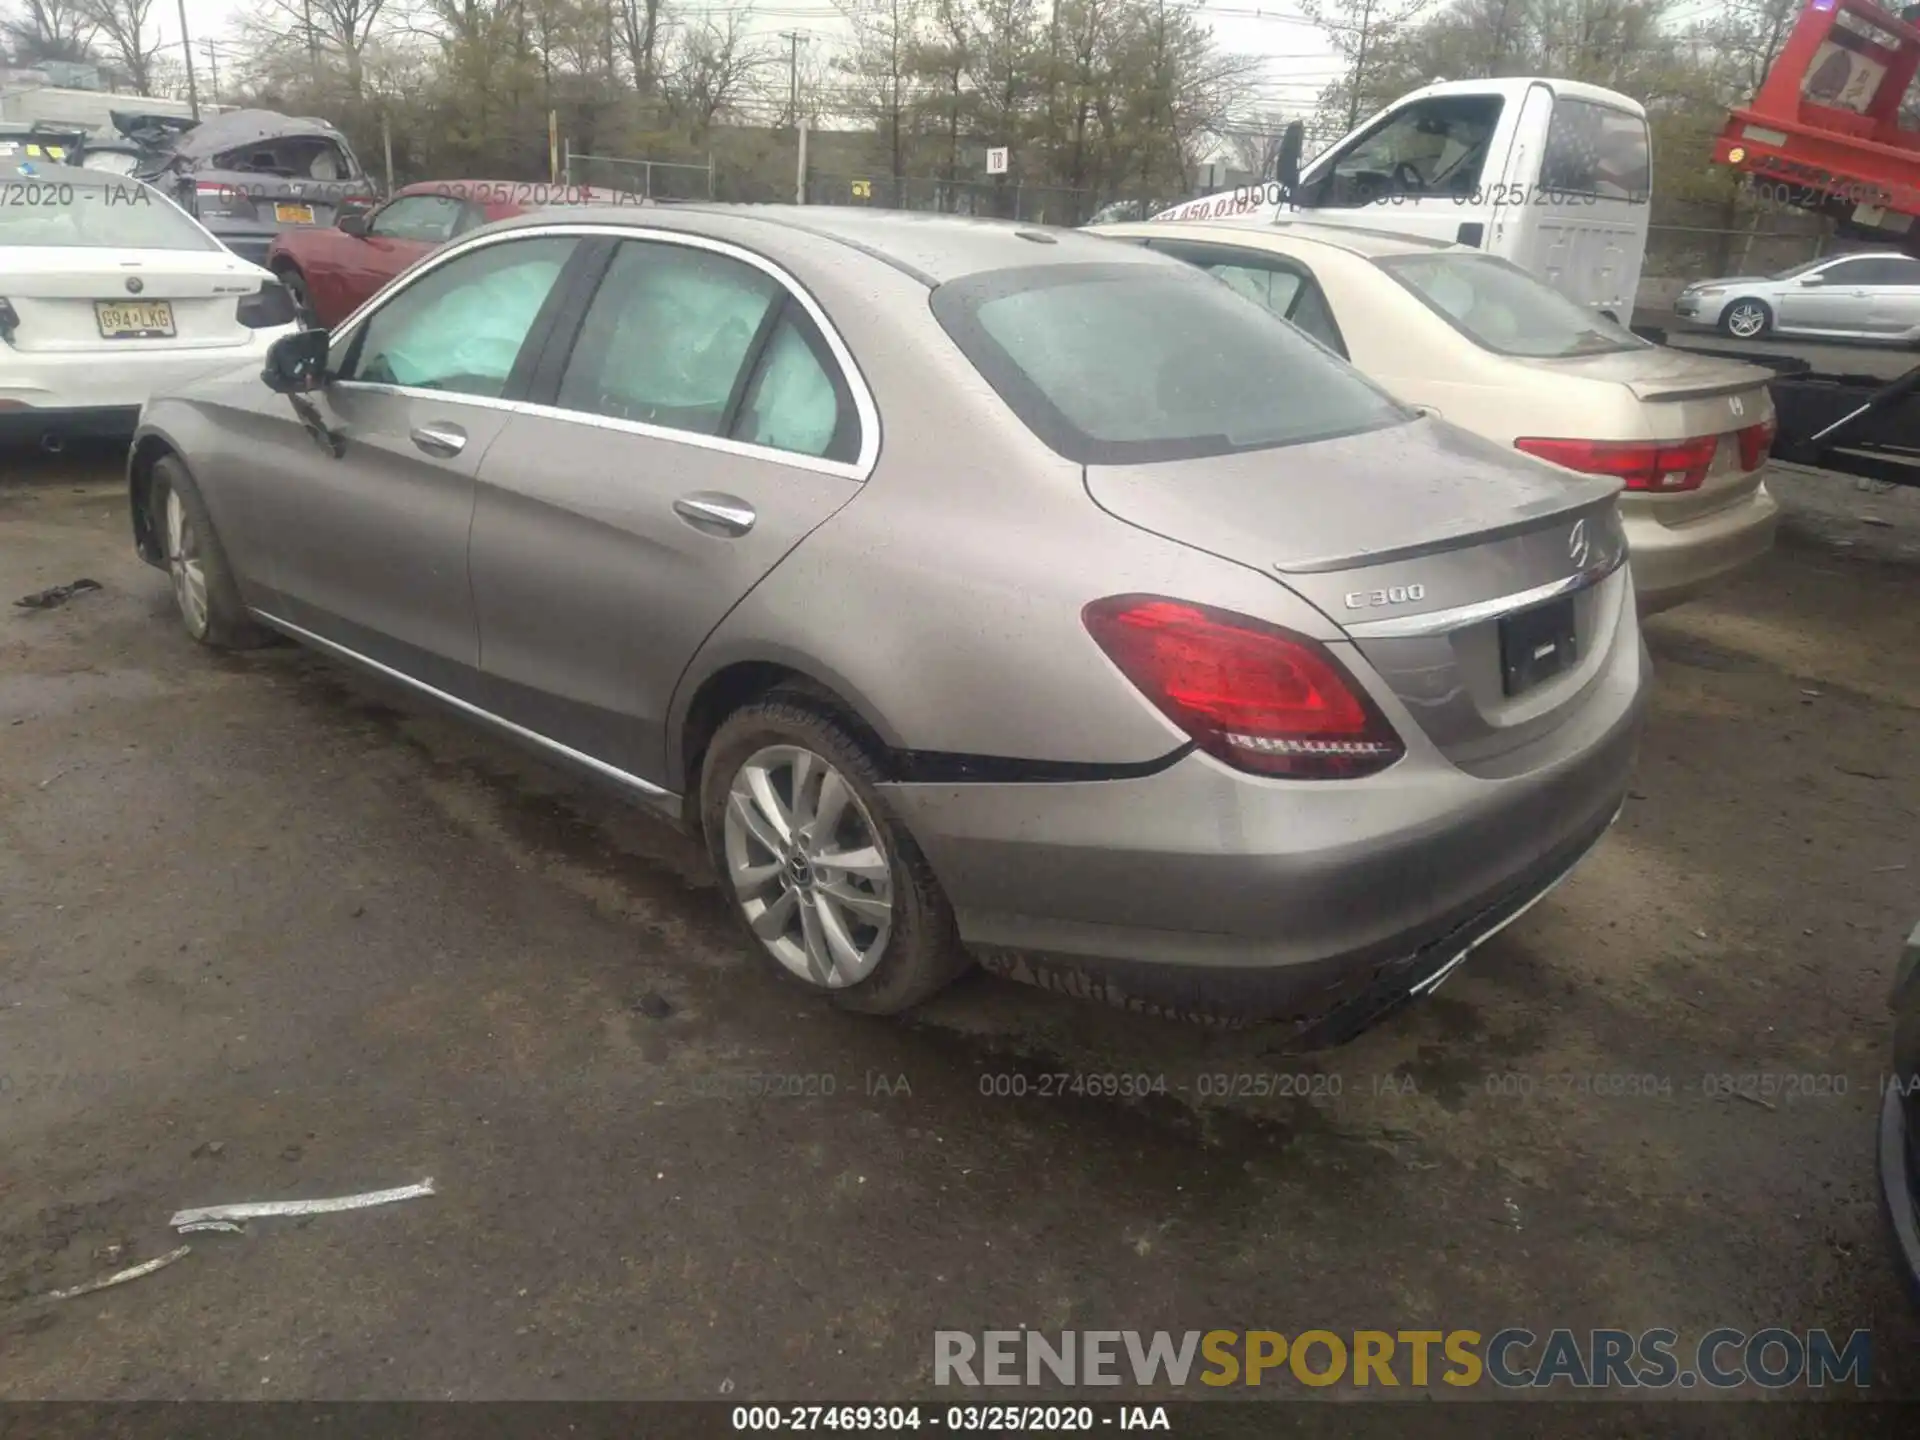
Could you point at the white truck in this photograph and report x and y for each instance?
(91, 111)
(1554, 175)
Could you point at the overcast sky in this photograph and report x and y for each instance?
(1299, 61)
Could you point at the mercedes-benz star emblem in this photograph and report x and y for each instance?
(1578, 547)
(135, 284)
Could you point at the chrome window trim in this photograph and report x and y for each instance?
(860, 468)
(646, 789)
(1458, 617)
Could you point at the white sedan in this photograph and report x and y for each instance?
(110, 293)
(1483, 344)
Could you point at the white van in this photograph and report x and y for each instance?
(1553, 175)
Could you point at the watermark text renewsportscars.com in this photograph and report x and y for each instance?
(1515, 1358)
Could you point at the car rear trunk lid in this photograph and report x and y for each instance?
(73, 299)
(1445, 558)
(1687, 397)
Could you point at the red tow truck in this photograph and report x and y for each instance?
(1825, 131)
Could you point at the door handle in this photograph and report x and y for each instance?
(715, 513)
(441, 440)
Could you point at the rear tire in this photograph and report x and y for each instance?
(204, 590)
(828, 884)
(1747, 319)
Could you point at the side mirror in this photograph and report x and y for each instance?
(297, 363)
(1286, 165)
(1813, 279)
(352, 222)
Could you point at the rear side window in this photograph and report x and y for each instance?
(1596, 150)
(1502, 308)
(1123, 364)
(704, 343)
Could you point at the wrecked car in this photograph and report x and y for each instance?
(248, 175)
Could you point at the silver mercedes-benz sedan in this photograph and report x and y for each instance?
(974, 590)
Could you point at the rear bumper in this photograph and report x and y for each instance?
(1672, 563)
(92, 422)
(94, 379)
(1200, 891)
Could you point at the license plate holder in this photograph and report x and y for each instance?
(134, 319)
(1537, 644)
(293, 214)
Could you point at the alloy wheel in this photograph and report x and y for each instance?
(184, 566)
(1747, 321)
(809, 866)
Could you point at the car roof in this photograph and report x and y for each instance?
(1354, 239)
(932, 247)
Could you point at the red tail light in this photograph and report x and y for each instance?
(1664, 468)
(1260, 698)
(1756, 443)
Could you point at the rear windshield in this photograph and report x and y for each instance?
(1596, 150)
(1122, 364)
(291, 157)
(1502, 308)
(114, 214)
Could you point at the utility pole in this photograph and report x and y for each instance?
(313, 41)
(186, 48)
(795, 39)
(213, 60)
(1359, 65)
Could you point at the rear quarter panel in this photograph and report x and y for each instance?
(944, 602)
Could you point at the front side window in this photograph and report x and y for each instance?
(1596, 150)
(1848, 272)
(1122, 363)
(430, 219)
(1500, 307)
(111, 215)
(460, 327)
(1432, 147)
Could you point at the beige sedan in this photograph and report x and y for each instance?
(1483, 344)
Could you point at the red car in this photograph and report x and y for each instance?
(333, 272)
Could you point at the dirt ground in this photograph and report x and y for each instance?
(271, 930)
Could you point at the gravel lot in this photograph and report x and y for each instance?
(272, 930)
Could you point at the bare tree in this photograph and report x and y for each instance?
(879, 70)
(643, 26)
(49, 30)
(123, 29)
(1361, 30)
(711, 69)
(342, 28)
